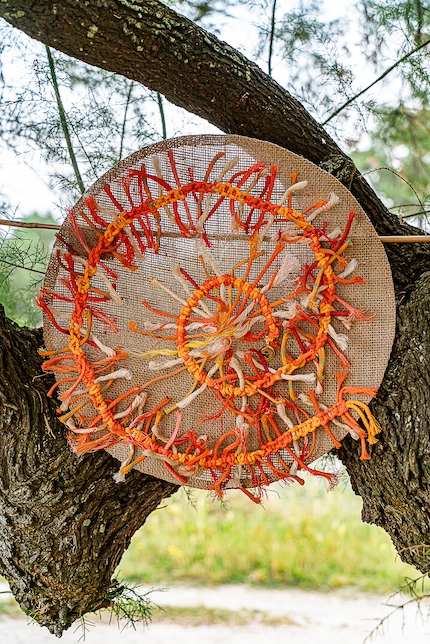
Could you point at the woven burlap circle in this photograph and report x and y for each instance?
(163, 251)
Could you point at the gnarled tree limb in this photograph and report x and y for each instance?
(64, 523)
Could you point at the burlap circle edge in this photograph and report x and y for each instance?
(370, 356)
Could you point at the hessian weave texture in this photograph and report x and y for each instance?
(217, 312)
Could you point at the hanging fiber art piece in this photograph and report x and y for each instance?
(218, 312)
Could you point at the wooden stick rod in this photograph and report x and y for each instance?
(385, 239)
(404, 239)
(29, 224)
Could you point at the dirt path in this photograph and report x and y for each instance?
(276, 617)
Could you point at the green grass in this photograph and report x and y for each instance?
(303, 537)
(183, 615)
(9, 607)
(204, 616)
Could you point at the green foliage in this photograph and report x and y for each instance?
(305, 537)
(296, 540)
(108, 116)
(317, 56)
(399, 161)
(129, 606)
(135, 608)
(398, 27)
(23, 258)
(309, 44)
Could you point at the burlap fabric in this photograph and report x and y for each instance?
(369, 341)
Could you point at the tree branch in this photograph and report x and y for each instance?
(64, 522)
(77, 521)
(26, 268)
(147, 42)
(377, 80)
(63, 121)
(124, 120)
(28, 224)
(162, 115)
(272, 37)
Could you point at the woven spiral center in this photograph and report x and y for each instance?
(228, 326)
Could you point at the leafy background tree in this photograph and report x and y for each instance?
(23, 259)
(80, 120)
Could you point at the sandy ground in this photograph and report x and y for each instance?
(317, 618)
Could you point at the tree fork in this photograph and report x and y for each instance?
(64, 523)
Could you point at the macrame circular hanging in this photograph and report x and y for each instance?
(218, 312)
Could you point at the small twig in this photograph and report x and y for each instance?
(420, 18)
(421, 548)
(406, 205)
(403, 216)
(30, 224)
(420, 213)
(383, 621)
(272, 37)
(162, 115)
(33, 270)
(383, 75)
(63, 121)
(387, 239)
(409, 586)
(124, 120)
(82, 146)
(400, 177)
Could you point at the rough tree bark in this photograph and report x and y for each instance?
(64, 523)
(62, 517)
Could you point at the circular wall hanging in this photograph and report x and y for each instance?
(217, 312)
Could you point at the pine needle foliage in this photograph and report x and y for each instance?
(23, 258)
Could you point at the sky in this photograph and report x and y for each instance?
(27, 188)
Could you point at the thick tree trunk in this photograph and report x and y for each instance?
(64, 523)
(394, 485)
(44, 486)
